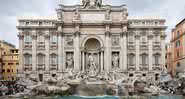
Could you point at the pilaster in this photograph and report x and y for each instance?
(61, 52)
(47, 58)
(77, 53)
(34, 50)
(137, 39)
(150, 49)
(21, 44)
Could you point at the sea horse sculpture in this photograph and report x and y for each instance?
(98, 3)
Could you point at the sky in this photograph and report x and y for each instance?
(172, 10)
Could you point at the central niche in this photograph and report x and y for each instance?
(92, 55)
(92, 44)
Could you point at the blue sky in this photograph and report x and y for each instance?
(172, 10)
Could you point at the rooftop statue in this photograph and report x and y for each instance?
(91, 3)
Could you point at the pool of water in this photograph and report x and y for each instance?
(102, 97)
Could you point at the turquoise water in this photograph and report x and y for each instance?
(105, 97)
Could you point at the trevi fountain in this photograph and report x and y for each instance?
(92, 51)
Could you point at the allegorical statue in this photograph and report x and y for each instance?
(92, 63)
(76, 15)
(86, 3)
(98, 3)
(107, 14)
(69, 61)
(115, 61)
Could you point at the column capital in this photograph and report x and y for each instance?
(150, 36)
(33, 36)
(137, 36)
(107, 33)
(47, 36)
(21, 37)
(163, 37)
(124, 33)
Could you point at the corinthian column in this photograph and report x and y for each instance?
(21, 37)
(77, 53)
(60, 50)
(107, 52)
(47, 65)
(34, 52)
(150, 49)
(163, 51)
(124, 49)
(137, 38)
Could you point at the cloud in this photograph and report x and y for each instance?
(171, 10)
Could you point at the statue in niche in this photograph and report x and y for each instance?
(115, 60)
(98, 3)
(69, 61)
(85, 3)
(107, 14)
(115, 41)
(92, 63)
(69, 41)
(77, 15)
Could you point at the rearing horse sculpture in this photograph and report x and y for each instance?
(98, 3)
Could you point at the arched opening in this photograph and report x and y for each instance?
(92, 56)
(92, 44)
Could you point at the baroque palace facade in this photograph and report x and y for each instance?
(91, 38)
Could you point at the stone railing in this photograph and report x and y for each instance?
(27, 45)
(54, 66)
(144, 67)
(131, 67)
(53, 45)
(27, 67)
(40, 66)
(156, 45)
(131, 45)
(40, 45)
(157, 67)
(143, 45)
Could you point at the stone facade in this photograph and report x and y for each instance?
(91, 38)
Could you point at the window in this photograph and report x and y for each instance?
(53, 39)
(143, 59)
(177, 43)
(178, 54)
(40, 23)
(27, 39)
(178, 33)
(8, 70)
(131, 59)
(40, 58)
(178, 64)
(53, 59)
(40, 38)
(156, 59)
(3, 70)
(28, 59)
(27, 23)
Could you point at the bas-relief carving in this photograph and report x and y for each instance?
(69, 61)
(69, 40)
(115, 40)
